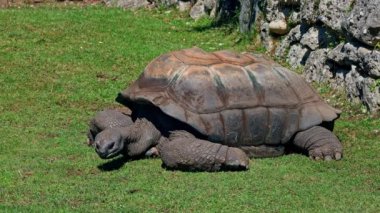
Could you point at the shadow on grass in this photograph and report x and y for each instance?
(112, 165)
(116, 163)
(203, 27)
(229, 27)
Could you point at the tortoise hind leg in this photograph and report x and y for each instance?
(184, 152)
(320, 143)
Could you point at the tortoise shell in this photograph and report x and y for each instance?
(234, 99)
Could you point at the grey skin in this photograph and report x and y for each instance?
(113, 133)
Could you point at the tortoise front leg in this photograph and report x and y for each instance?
(184, 152)
(320, 143)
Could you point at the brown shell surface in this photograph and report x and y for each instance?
(235, 99)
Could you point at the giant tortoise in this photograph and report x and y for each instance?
(213, 111)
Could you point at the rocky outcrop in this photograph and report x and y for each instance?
(197, 9)
(168, 2)
(349, 67)
(332, 12)
(363, 22)
(334, 40)
(132, 4)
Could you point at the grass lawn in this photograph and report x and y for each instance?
(59, 65)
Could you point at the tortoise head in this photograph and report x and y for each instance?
(109, 143)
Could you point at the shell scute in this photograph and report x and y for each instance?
(214, 126)
(234, 86)
(299, 86)
(233, 127)
(196, 56)
(234, 58)
(195, 90)
(292, 126)
(271, 87)
(256, 123)
(159, 73)
(277, 124)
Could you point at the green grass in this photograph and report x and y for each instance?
(59, 65)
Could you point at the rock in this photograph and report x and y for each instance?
(184, 5)
(266, 38)
(316, 68)
(278, 27)
(4, 3)
(329, 12)
(296, 33)
(318, 37)
(371, 94)
(168, 3)
(210, 7)
(210, 4)
(297, 55)
(294, 19)
(365, 89)
(203, 8)
(339, 81)
(353, 83)
(368, 61)
(342, 68)
(344, 54)
(247, 16)
(363, 22)
(290, 2)
(198, 11)
(333, 12)
(311, 38)
(309, 11)
(213, 12)
(273, 10)
(130, 4)
(294, 36)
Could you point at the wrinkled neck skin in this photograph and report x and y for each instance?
(139, 137)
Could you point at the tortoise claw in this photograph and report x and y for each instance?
(236, 159)
(338, 156)
(89, 142)
(152, 152)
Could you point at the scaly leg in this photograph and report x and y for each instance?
(320, 143)
(185, 152)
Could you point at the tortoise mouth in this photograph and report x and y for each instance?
(109, 153)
